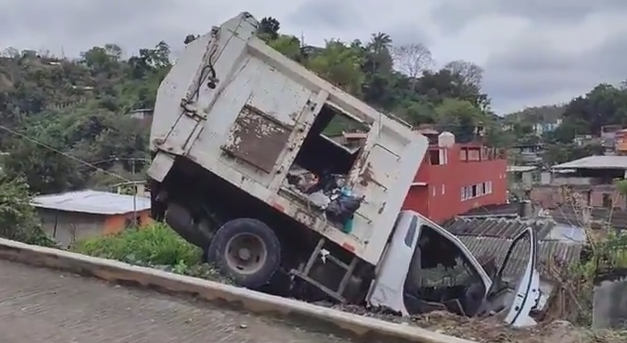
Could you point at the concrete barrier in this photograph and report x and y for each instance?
(352, 325)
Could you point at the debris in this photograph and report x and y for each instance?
(492, 329)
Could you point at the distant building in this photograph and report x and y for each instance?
(521, 179)
(68, 217)
(608, 137)
(527, 154)
(541, 128)
(454, 178)
(620, 142)
(593, 178)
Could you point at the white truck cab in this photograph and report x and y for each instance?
(244, 167)
(426, 267)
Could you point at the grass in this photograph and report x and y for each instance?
(155, 246)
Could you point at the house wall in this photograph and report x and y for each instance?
(462, 181)
(551, 196)
(69, 227)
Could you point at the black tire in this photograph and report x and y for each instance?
(246, 228)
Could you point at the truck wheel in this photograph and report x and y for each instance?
(247, 250)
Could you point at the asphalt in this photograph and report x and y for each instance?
(43, 305)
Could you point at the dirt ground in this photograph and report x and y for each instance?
(490, 330)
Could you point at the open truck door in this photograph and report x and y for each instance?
(514, 300)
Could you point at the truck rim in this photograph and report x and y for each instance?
(246, 253)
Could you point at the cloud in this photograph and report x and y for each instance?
(533, 52)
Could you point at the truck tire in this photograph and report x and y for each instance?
(246, 250)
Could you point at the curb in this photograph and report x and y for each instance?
(355, 326)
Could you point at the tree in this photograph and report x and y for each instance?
(412, 59)
(459, 117)
(269, 28)
(190, 38)
(470, 73)
(17, 215)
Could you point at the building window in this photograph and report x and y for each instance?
(473, 191)
(463, 189)
(488, 187)
(434, 157)
(607, 200)
(480, 189)
(484, 188)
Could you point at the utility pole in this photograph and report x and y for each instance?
(134, 194)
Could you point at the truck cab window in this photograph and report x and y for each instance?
(441, 275)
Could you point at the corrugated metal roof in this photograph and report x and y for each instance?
(493, 237)
(496, 227)
(92, 202)
(548, 251)
(595, 162)
(500, 210)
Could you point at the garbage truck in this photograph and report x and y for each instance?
(286, 181)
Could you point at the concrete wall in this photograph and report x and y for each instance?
(68, 227)
(610, 302)
(551, 196)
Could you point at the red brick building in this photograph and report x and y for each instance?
(455, 178)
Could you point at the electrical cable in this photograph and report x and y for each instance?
(91, 165)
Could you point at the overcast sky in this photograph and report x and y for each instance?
(534, 52)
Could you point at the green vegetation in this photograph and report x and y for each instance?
(17, 216)
(605, 251)
(155, 246)
(584, 115)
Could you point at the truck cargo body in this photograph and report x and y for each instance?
(265, 116)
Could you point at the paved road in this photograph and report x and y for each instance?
(41, 305)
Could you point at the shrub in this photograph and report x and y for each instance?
(17, 216)
(155, 245)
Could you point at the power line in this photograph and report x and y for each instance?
(91, 165)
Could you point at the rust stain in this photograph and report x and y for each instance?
(305, 218)
(366, 176)
(257, 139)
